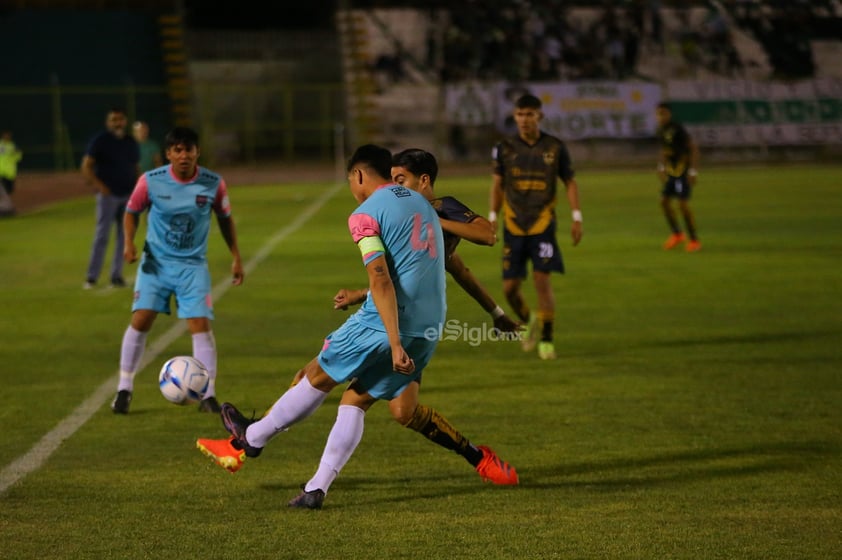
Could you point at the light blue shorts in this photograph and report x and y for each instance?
(356, 351)
(157, 283)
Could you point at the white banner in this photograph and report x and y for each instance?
(572, 111)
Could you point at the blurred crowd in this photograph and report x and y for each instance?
(540, 40)
(523, 40)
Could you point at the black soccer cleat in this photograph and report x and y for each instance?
(236, 424)
(308, 500)
(121, 402)
(210, 404)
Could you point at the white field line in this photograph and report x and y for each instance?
(41, 451)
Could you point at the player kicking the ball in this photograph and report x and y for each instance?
(417, 170)
(379, 350)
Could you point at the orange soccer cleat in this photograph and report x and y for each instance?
(223, 452)
(693, 245)
(674, 240)
(493, 469)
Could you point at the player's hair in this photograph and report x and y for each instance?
(181, 135)
(417, 162)
(665, 105)
(377, 158)
(528, 101)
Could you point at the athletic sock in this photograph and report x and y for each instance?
(299, 402)
(204, 350)
(344, 437)
(547, 318)
(435, 427)
(131, 351)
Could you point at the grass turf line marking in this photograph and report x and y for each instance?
(41, 451)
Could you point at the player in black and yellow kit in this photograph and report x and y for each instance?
(526, 167)
(677, 171)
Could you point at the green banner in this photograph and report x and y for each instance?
(745, 113)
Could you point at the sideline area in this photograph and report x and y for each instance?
(50, 442)
(34, 189)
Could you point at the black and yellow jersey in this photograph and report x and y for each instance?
(449, 208)
(675, 147)
(529, 175)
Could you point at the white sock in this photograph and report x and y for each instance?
(131, 351)
(344, 437)
(204, 350)
(295, 405)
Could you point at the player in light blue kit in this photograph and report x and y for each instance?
(181, 198)
(381, 348)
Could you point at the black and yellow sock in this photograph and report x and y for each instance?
(435, 427)
(546, 319)
(690, 223)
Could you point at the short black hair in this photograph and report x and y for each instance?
(528, 101)
(375, 157)
(181, 135)
(665, 105)
(417, 162)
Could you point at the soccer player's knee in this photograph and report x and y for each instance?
(413, 418)
(510, 290)
(402, 414)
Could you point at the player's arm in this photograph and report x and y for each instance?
(229, 233)
(693, 169)
(222, 208)
(383, 293)
(572, 189)
(137, 203)
(662, 169)
(496, 199)
(468, 282)
(130, 223)
(479, 230)
(345, 298)
(89, 173)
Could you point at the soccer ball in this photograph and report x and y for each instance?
(183, 380)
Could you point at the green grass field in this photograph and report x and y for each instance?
(695, 410)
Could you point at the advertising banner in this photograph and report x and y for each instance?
(572, 111)
(746, 113)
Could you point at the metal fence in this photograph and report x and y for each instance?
(236, 123)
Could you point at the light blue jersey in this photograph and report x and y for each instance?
(174, 260)
(410, 231)
(179, 212)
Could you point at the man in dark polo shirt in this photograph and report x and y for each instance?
(111, 166)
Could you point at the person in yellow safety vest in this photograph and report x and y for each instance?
(10, 155)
